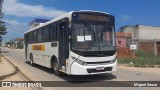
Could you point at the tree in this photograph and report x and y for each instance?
(3, 29)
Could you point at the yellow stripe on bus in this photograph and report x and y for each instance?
(38, 47)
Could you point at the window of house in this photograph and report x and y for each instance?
(119, 42)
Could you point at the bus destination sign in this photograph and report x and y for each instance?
(93, 17)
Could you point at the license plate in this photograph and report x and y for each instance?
(100, 68)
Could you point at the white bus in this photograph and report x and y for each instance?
(76, 43)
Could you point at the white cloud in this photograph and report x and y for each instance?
(126, 17)
(13, 7)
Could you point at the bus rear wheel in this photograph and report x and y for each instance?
(31, 60)
(55, 67)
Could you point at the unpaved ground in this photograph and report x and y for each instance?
(5, 67)
(15, 77)
(39, 73)
(148, 70)
(6, 70)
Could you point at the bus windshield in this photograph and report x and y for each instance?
(92, 37)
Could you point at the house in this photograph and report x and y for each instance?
(147, 38)
(122, 39)
(19, 43)
(16, 43)
(142, 32)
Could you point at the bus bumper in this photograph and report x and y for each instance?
(77, 69)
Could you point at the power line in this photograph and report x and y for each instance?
(13, 25)
(15, 28)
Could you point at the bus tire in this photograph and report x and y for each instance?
(31, 60)
(55, 67)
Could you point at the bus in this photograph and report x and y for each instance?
(76, 43)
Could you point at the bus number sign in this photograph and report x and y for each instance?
(38, 47)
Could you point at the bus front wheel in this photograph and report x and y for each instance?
(55, 67)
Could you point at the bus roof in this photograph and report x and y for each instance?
(67, 15)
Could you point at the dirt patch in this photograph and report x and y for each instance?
(16, 77)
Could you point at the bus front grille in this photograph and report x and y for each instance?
(103, 62)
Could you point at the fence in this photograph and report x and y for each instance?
(149, 46)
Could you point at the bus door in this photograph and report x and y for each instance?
(26, 46)
(63, 37)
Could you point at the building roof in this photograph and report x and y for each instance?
(19, 39)
(120, 34)
(139, 25)
(37, 20)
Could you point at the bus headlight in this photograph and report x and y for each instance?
(81, 62)
(113, 61)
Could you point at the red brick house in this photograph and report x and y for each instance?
(122, 39)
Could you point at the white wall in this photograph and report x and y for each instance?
(149, 32)
(133, 30)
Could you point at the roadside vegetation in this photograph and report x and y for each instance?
(142, 59)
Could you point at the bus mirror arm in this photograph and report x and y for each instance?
(70, 39)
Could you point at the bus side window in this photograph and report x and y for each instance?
(26, 38)
(40, 35)
(52, 32)
(35, 37)
(45, 34)
(30, 37)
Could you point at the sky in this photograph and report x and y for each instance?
(18, 13)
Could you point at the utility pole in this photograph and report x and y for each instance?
(1, 13)
(1, 16)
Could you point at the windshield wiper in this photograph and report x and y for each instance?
(88, 26)
(94, 33)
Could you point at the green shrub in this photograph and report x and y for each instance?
(144, 54)
(144, 59)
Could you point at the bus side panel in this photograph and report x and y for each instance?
(28, 52)
(44, 53)
(51, 49)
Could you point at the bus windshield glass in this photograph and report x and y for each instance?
(92, 37)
